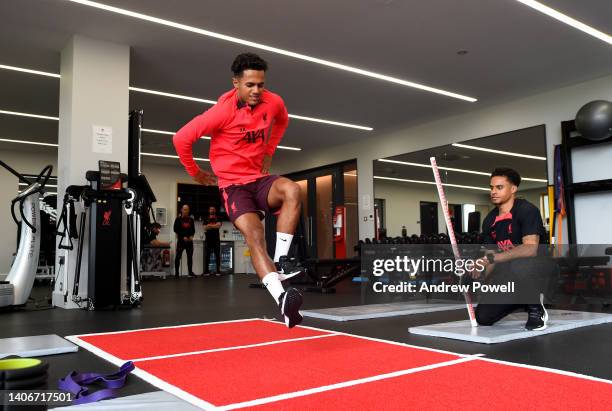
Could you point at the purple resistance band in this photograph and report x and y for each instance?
(76, 383)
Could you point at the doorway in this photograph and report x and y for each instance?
(322, 191)
(429, 218)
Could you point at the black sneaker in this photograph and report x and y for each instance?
(537, 316)
(289, 303)
(288, 267)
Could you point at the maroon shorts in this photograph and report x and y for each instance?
(248, 198)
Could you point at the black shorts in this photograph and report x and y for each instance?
(248, 198)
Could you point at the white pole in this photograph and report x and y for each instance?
(451, 235)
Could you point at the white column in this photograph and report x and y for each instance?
(93, 125)
(365, 188)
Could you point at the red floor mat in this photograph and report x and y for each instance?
(227, 377)
(175, 340)
(474, 385)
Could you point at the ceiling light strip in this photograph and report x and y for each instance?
(335, 123)
(24, 70)
(177, 96)
(199, 100)
(430, 182)
(35, 143)
(271, 49)
(536, 5)
(506, 153)
(170, 133)
(170, 156)
(459, 170)
(313, 119)
(15, 113)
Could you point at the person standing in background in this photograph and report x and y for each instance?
(212, 224)
(184, 227)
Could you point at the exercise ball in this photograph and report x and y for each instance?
(594, 120)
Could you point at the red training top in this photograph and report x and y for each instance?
(240, 137)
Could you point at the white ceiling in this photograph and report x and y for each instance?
(513, 51)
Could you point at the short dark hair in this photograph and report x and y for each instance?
(248, 61)
(512, 175)
(156, 225)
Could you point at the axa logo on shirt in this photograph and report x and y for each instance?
(505, 245)
(251, 137)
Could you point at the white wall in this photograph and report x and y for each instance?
(550, 109)
(533, 195)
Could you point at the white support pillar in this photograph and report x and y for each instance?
(93, 125)
(365, 183)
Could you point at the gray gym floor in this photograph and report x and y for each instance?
(196, 300)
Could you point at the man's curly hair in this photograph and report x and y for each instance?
(512, 175)
(248, 61)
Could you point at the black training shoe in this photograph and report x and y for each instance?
(288, 267)
(537, 316)
(289, 303)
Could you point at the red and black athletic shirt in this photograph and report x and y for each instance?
(184, 227)
(240, 137)
(508, 230)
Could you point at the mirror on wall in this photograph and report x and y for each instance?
(407, 198)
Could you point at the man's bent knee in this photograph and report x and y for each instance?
(293, 192)
(483, 318)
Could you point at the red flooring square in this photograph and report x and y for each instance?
(226, 377)
(176, 340)
(473, 385)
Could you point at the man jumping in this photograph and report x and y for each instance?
(245, 127)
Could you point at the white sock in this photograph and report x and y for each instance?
(273, 284)
(283, 242)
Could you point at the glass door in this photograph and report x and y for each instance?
(322, 191)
